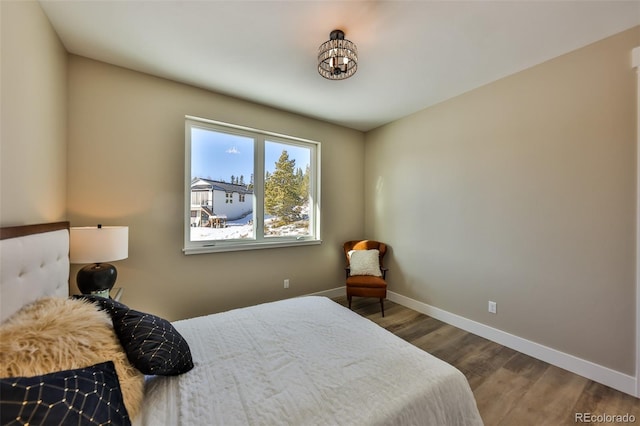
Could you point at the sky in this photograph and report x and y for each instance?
(219, 155)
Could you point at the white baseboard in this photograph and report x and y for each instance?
(588, 369)
(334, 292)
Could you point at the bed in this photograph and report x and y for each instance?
(300, 361)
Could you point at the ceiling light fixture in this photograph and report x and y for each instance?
(338, 57)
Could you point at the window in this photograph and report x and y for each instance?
(248, 189)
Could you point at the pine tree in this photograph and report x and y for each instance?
(282, 191)
(304, 183)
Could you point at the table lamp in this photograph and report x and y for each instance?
(97, 245)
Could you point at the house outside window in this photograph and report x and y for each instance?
(275, 179)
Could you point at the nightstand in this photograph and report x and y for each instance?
(116, 293)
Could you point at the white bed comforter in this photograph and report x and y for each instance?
(305, 361)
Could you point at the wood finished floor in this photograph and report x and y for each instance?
(511, 389)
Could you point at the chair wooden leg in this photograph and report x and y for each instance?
(382, 305)
(349, 299)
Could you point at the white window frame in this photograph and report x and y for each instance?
(259, 241)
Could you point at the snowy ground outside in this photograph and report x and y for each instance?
(243, 228)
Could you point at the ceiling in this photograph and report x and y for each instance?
(412, 54)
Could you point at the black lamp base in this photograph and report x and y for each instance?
(97, 279)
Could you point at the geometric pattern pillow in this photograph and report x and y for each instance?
(151, 343)
(86, 396)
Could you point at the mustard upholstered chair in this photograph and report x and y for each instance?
(366, 275)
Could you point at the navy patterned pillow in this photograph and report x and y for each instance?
(152, 344)
(86, 396)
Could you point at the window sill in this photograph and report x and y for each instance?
(222, 247)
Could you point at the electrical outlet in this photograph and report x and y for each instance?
(286, 283)
(493, 307)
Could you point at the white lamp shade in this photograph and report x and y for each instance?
(92, 244)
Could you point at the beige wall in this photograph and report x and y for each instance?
(33, 144)
(126, 167)
(521, 192)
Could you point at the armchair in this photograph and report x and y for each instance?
(365, 273)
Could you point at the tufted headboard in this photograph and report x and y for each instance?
(34, 262)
